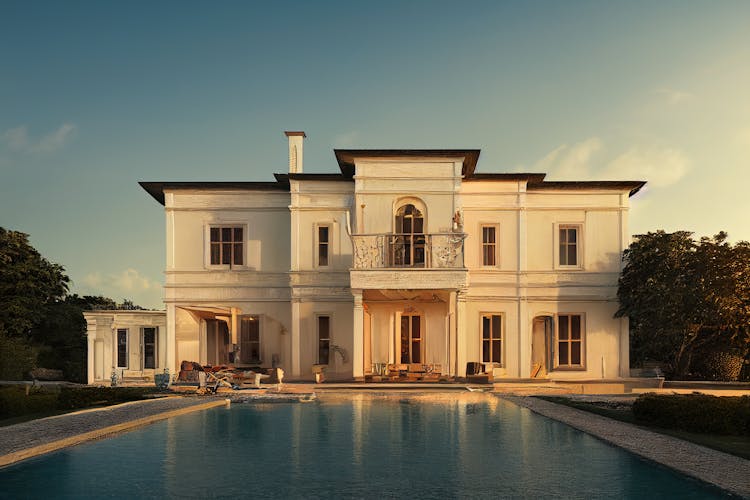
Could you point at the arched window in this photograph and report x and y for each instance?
(408, 243)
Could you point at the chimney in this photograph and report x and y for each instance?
(295, 151)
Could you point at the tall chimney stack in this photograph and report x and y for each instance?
(295, 151)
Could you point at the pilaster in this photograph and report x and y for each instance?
(358, 353)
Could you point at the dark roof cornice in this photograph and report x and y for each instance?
(345, 157)
(156, 189)
(632, 186)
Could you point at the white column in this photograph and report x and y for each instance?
(296, 335)
(524, 323)
(461, 319)
(172, 361)
(90, 335)
(358, 352)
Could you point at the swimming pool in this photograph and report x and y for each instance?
(361, 446)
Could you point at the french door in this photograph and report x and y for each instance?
(411, 338)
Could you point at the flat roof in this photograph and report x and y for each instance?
(345, 157)
(156, 189)
(632, 186)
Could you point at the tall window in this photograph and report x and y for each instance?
(227, 245)
(408, 245)
(411, 338)
(250, 340)
(569, 341)
(492, 338)
(324, 339)
(122, 348)
(569, 245)
(323, 245)
(489, 245)
(149, 348)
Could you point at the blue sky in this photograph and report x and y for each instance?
(98, 95)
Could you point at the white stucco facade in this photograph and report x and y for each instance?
(400, 257)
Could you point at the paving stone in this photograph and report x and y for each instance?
(726, 471)
(26, 435)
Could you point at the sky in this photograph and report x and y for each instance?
(98, 95)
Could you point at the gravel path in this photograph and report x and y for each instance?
(41, 433)
(726, 471)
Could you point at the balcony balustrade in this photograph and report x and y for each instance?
(409, 251)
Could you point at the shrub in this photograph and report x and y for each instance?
(14, 401)
(17, 357)
(698, 413)
(82, 397)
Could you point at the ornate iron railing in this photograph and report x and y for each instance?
(409, 251)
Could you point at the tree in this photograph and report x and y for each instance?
(684, 295)
(39, 321)
(28, 282)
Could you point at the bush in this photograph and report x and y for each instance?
(82, 397)
(17, 357)
(698, 413)
(14, 401)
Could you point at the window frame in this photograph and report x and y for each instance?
(126, 331)
(143, 347)
(496, 245)
(420, 341)
(209, 244)
(490, 314)
(558, 227)
(320, 339)
(582, 341)
(329, 245)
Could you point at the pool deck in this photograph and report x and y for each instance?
(29, 439)
(728, 472)
(37, 437)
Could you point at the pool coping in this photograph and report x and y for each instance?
(51, 444)
(710, 466)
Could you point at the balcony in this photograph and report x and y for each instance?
(408, 260)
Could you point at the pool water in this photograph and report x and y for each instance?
(358, 446)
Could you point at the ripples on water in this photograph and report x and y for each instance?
(361, 446)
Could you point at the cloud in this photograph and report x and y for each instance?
(346, 139)
(570, 161)
(674, 96)
(126, 284)
(659, 166)
(18, 139)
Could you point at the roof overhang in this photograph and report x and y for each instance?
(157, 189)
(346, 157)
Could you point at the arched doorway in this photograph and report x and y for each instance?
(408, 248)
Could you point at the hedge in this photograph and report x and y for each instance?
(15, 402)
(699, 413)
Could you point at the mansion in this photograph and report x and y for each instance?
(407, 257)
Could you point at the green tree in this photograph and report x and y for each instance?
(684, 297)
(28, 282)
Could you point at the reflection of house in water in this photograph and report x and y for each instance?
(402, 257)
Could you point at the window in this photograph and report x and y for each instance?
(489, 245)
(323, 245)
(324, 339)
(569, 341)
(407, 246)
(411, 338)
(122, 348)
(250, 340)
(569, 245)
(492, 338)
(149, 348)
(227, 245)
